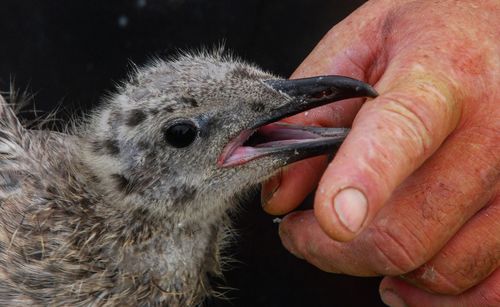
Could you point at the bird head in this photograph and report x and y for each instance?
(188, 134)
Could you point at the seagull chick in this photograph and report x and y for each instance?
(131, 208)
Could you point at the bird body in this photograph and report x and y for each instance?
(131, 207)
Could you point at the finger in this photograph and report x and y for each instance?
(337, 53)
(302, 236)
(284, 192)
(420, 218)
(391, 137)
(395, 292)
(471, 256)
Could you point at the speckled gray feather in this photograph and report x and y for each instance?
(110, 214)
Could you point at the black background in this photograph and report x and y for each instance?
(70, 53)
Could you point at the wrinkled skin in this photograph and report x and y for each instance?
(425, 154)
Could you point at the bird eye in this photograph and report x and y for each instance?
(181, 134)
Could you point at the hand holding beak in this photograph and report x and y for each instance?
(416, 182)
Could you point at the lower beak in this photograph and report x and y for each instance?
(291, 142)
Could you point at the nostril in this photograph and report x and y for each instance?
(325, 93)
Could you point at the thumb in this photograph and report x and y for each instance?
(392, 136)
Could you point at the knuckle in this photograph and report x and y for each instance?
(486, 141)
(426, 112)
(396, 250)
(431, 278)
(474, 266)
(409, 122)
(454, 271)
(440, 203)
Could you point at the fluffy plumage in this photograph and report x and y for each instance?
(112, 215)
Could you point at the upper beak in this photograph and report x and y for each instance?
(309, 93)
(295, 142)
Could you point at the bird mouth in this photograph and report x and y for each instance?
(280, 138)
(266, 137)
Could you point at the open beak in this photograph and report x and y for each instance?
(294, 142)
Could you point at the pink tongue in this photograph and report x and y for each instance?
(242, 155)
(276, 135)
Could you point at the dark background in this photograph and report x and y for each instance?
(70, 53)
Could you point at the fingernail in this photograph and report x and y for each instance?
(269, 188)
(391, 299)
(351, 207)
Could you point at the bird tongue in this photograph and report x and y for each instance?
(301, 141)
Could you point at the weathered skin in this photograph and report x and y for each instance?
(425, 154)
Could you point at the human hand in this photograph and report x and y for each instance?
(415, 188)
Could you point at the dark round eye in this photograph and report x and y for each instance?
(181, 134)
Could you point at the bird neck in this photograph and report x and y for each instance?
(176, 257)
(170, 249)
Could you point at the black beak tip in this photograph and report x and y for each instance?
(366, 90)
(348, 87)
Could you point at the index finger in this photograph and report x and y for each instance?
(337, 53)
